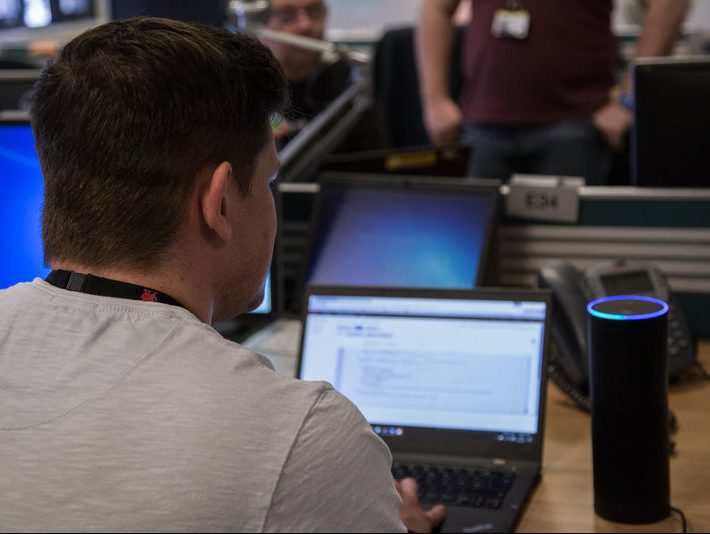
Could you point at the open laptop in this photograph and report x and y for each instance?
(452, 380)
(400, 231)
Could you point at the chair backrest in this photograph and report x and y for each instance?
(396, 86)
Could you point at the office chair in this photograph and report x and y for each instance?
(396, 86)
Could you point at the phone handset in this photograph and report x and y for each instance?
(573, 289)
(641, 278)
(568, 367)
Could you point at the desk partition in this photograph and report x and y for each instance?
(668, 227)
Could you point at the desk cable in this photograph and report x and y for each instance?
(701, 370)
(683, 520)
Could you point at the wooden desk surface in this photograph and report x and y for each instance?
(564, 499)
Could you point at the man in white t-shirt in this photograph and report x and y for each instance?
(121, 409)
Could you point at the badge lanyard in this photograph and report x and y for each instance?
(512, 21)
(95, 285)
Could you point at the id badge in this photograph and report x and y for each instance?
(508, 23)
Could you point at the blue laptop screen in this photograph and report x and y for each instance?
(20, 207)
(400, 237)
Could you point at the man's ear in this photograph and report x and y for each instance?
(215, 202)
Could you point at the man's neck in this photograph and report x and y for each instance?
(192, 298)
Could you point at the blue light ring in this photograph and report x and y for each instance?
(621, 317)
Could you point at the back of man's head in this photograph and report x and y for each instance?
(126, 116)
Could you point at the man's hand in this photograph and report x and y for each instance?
(613, 121)
(411, 512)
(443, 119)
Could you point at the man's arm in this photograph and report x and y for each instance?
(434, 42)
(661, 27)
(337, 478)
(659, 32)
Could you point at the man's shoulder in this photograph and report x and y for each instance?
(335, 448)
(223, 365)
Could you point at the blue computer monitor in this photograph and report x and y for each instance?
(20, 205)
(401, 231)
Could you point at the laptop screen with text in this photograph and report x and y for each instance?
(417, 362)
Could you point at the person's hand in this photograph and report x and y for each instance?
(613, 121)
(411, 512)
(442, 119)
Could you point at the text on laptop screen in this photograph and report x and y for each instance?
(20, 206)
(386, 237)
(430, 363)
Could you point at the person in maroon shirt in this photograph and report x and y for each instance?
(540, 91)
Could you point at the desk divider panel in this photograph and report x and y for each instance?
(668, 227)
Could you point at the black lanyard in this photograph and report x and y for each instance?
(95, 285)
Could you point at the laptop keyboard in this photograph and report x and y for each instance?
(457, 486)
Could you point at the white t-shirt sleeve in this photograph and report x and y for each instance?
(337, 477)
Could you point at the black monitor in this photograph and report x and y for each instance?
(669, 138)
(401, 231)
(20, 205)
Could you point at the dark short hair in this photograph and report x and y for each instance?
(127, 115)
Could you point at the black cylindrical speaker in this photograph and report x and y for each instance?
(629, 394)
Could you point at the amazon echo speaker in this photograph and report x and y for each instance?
(629, 395)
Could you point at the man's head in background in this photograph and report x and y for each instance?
(305, 18)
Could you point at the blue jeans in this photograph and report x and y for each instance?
(565, 148)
